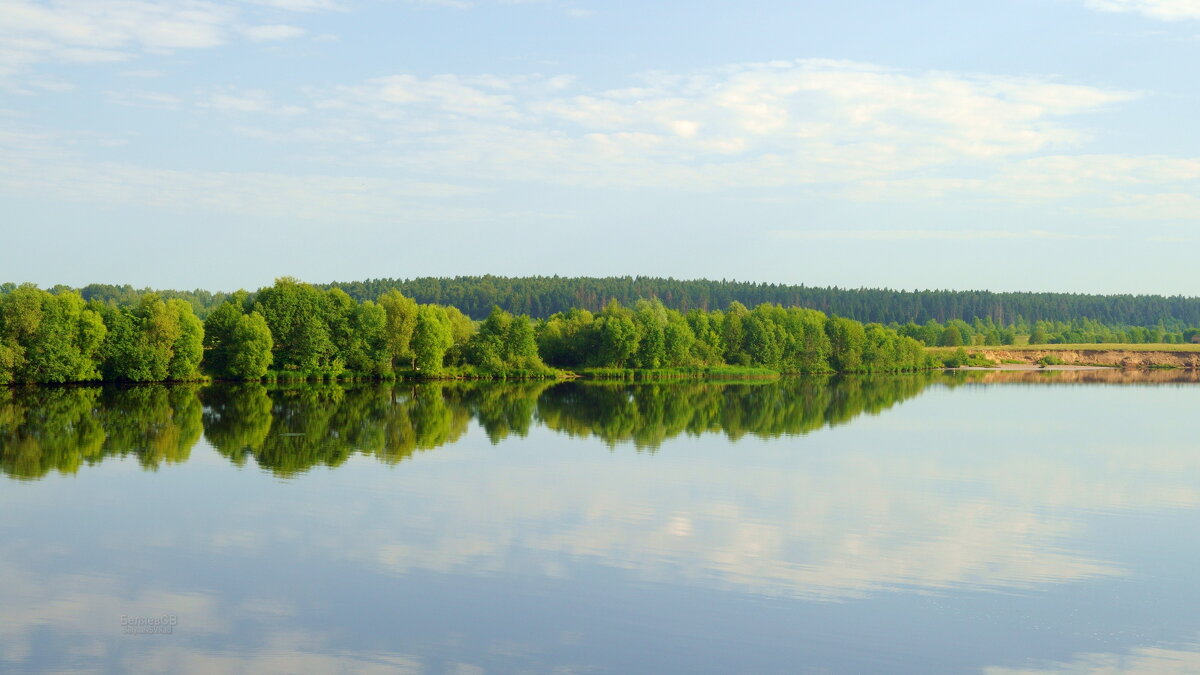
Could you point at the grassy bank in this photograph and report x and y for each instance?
(696, 372)
(457, 373)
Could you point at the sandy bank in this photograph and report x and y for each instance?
(1118, 358)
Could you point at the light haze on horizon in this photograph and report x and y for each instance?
(1017, 145)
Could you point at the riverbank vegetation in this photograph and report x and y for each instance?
(294, 330)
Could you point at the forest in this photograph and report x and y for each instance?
(294, 330)
(540, 297)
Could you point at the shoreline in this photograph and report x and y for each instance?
(1026, 367)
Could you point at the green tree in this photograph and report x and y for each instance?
(299, 316)
(48, 337)
(486, 348)
(952, 337)
(617, 337)
(846, 339)
(237, 345)
(250, 355)
(431, 339)
(763, 339)
(401, 322)
(733, 334)
(520, 344)
(188, 347)
(1038, 336)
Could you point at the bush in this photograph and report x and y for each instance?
(956, 360)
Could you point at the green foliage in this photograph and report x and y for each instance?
(365, 345)
(461, 330)
(847, 338)
(432, 338)
(251, 354)
(567, 339)
(956, 360)
(401, 322)
(188, 348)
(303, 321)
(504, 343)
(48, 337)
(153, 342)
(292, 330)
(542, 297)
(952, 337)
(617, 337)
(1038, 337)
(238, 345)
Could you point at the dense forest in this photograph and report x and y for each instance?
(296, 330)
(540, 297)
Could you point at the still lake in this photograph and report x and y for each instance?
(957, 523)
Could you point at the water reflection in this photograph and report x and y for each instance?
(44, 429)
(991, 528)
(290, 429)
(1142, 660)
(649, 414)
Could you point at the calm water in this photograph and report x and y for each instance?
(970, 523)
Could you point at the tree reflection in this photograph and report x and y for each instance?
(649, 414)
(288, 430)
(45, 429)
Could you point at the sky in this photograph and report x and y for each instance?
(1040, 145)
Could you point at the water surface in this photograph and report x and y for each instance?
(982, 522)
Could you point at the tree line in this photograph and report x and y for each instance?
(1078, 331)
(541, 297)
(297, 330)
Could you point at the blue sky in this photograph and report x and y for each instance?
(1014, 145)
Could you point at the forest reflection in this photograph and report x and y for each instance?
(288, 430)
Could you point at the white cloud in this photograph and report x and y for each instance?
(78, 31)
(102, 31)
(852, 131)
(1166, 10)
(272, 32)
(761, 125)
